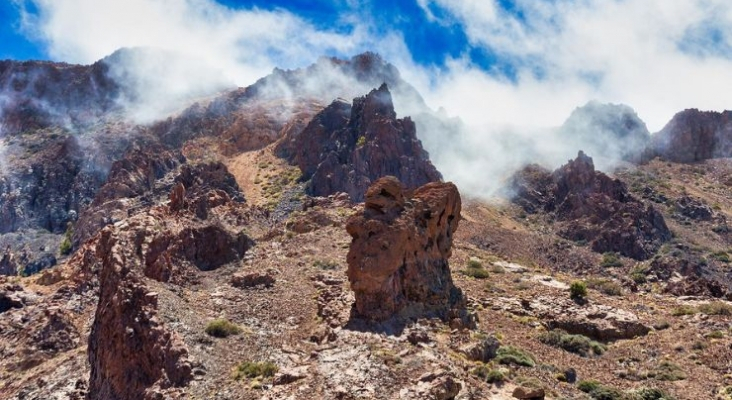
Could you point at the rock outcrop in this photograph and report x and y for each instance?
(612, 131)
(593, 208)
(694, 135)
(347, 147)
(132, 353)
(398, 259)
(38, 94)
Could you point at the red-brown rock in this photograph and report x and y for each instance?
(592, 207)
(347, 147)
(694, 135)
(398, 256)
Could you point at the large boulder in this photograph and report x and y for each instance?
(398, 259)
(347, 147)
(592, 207)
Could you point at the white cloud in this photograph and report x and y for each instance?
(657, 56)
(614, 51)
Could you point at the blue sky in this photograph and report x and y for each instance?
(429, 41)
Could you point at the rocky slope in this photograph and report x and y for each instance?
(203, 265)
(592, 208)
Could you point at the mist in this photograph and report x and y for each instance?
(478, 123)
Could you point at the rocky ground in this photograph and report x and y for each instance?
(229, 264)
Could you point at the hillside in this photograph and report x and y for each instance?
(245, 247)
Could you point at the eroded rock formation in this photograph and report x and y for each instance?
(398, 259)
(347, 147)
(593, 208)
(131, 352)
(694, 135)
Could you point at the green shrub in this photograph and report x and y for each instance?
(610, 259)
(249, 369)
(578, 344)
(716, 308)
(494, 375)
(606, 286)
(638, 275)
(578, 290)
(722, 256)
(715, 335)
(588, 386)
(475, 269)
(683, 310)
(646, 393)
(222, 328)
(66, 246)
(668, 371)
(361, 141)
(598, 391)
(514, 355)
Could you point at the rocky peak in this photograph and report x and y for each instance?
(592, 207)
(345, 148)
(613, 131)
(398, 259)
(694, 135)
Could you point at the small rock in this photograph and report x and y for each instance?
(445, 388)
(528, 393)
(483, 351)
(251, 280)
(287, 376)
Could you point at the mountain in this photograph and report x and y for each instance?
(694, 135)
(162, 238)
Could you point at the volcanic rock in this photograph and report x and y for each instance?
(591, 207)
(694, 135)
(38, 94)
(597, 321)
(131, 352)
(399, 252)
(347, 147)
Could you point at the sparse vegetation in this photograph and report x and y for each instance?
(578, 290)
(490, 375)
(327, 265)
(639, 274)
(722, 256)
(361, 141)
(475, 269)
(716, 308)
(514, 355)
(683, 310)
(668, 371)
(248, 369)
(605, 286)
(578, 344)
(66, 246)
(647, 393)
(597, 391)
(222, 328)
(610, 260)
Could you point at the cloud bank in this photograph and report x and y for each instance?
(545, 59)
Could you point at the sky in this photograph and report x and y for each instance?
(489, 62)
